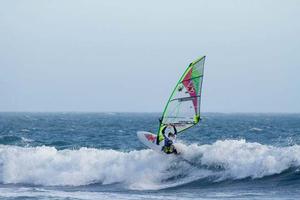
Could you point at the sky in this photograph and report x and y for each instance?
(126, 56)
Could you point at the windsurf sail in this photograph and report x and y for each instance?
(183, 107)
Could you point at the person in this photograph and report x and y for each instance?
(169, 139)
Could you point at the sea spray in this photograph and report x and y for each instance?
(144, 169)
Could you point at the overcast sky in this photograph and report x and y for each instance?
(70, 55)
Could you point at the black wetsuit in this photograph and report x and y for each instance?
(168, 147)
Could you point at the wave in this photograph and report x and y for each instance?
(145, 169)
(256, 129)
(11, 139)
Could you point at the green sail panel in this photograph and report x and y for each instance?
(183, 107)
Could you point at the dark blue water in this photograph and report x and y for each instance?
(98, 156)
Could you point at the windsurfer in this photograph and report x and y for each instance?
(169, 139)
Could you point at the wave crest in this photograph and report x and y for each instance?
(144, 169)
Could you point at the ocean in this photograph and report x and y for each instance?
(98, 156)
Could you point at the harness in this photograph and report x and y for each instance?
(168, 149)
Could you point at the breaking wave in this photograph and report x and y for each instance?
(145, 169)
(11, 139)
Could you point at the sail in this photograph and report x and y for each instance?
(183, 107)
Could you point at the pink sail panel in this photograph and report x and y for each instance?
(188, 84)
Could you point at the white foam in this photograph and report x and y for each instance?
(48, 166)
(143, 169)
(241, 159)
(26, 140)
(55, 194)
(256, 129)
(25, 130)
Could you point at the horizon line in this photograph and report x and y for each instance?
(149, 112)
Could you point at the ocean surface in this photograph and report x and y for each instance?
(98, 156)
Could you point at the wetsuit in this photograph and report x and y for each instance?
(168, 147)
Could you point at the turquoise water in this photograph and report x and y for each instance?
(98, 156)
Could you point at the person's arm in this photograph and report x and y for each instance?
(175, 130)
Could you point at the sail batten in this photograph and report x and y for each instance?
(183, 107)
